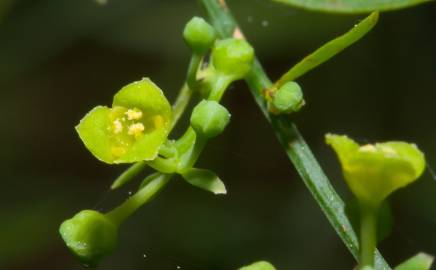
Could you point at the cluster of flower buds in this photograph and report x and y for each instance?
(136, 129)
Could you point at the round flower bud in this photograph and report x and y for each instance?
(233, 57)
(209, 118)
(90, 235)
(199, 35)
(288, 98)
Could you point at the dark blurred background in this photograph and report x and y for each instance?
(59, 58)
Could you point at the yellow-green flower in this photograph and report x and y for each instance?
(133, 129)
(373, 171)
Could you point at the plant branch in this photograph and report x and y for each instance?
(292, 141)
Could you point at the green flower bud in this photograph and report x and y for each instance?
(374, 171)
(209, 118)
(233, 57)
(133, 129)
(90, 235)
(199, 35)
(262, 265)
(288, 98)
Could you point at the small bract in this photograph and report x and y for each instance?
(374, 171)
(133, 129)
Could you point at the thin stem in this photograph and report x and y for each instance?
(192, 156)
(192, 71)
(368, 226)
(219, 83)
(181, 103)
(128, 207)
(292, 141)
(128, 174)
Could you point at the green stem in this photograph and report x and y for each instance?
(189, 159)
(181, 103)
(128, 174)
(368, 235)
(128, 207)
(292, 141)
(192, 71)
(219, 84)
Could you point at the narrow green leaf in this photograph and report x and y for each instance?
(205, 179)
(421, 261)
(293, 143)
(329, 49)
(352, 6)
(262, 265)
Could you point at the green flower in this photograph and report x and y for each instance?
(374, 171)
(133, 129)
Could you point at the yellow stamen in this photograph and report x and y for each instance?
(133, 114)
(118, 127)
(136, 129)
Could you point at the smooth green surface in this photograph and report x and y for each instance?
(374, 171)
(262, 265)
(133, 129)
(421, 261)
(94, 133)
(293, 143)
(205, 179)
(352, 6)
(329, 49)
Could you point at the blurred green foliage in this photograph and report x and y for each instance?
(60, 58)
